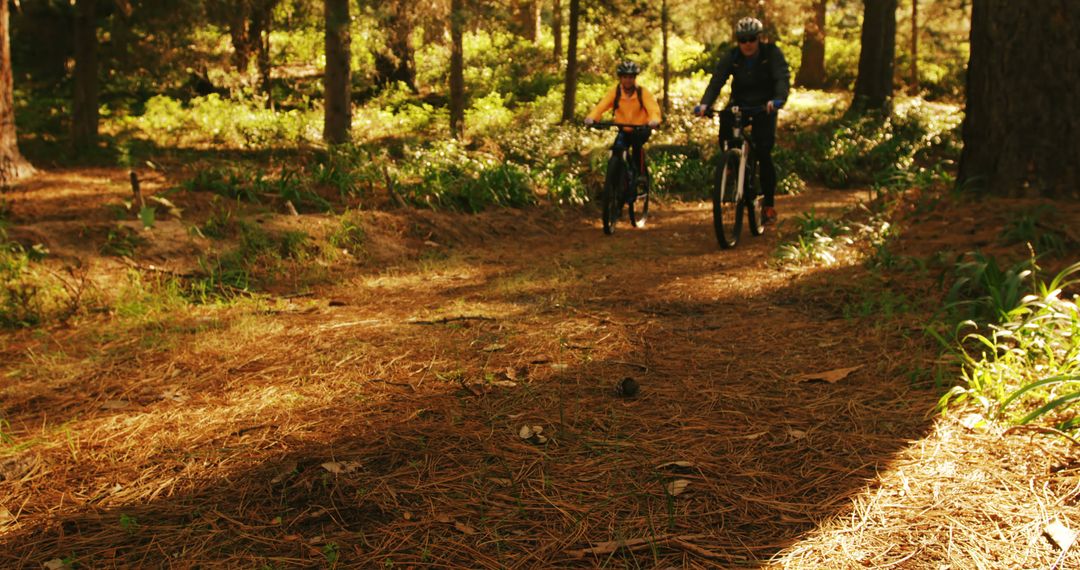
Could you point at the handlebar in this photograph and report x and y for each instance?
(738, 110)
(607, 125)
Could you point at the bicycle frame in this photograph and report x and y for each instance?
(627, 191)
(741, 143)
(729, 194)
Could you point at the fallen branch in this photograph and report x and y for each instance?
(445, 320)
(638, 543)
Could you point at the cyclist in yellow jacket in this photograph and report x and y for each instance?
(633, 105)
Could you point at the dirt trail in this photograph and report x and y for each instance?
(382, 429)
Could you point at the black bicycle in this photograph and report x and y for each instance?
(624, 184)
(734, 188)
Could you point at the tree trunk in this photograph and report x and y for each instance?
(570, 88)
(121, 35)
(337, 79)
(874, 85)
(13, 167)
(457, 69)
(914, 87)
(239, 33)
(665, 23)
(528, 19)
(84, 108)
(556, 29)
(398, 62)
(1021, 134)
(262, 20)
(812, 69)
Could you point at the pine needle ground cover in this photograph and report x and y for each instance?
(452, 403)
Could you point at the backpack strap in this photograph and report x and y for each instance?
(618, 95)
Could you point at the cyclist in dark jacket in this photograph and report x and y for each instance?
(760, 78)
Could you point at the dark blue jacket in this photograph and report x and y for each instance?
(767, 78)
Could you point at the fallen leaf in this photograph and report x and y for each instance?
(114, 404)
(796, 433)
(754, 435)
(677, 487)
(1060, 535)
(6, 516)
(676, 465)
(493, 347)
(443, 518)
(339, 467)
(525, 432)
(464, 528)
(832, 376)
(284, 473)
(55, 564)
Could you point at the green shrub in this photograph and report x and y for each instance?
(30, 293)
(1026, 366)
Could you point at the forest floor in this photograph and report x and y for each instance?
(449, 401)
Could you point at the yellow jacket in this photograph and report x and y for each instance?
(630, 111)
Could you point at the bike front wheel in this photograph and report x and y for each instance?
(639, 204)
(611, 200)
(727, 201)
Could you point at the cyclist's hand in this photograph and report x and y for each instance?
(699, 110)
(589, 120)
(773, 105)
(654, 124)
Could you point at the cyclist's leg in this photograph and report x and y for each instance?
(640, 165)
(764, 136)
(727, 128)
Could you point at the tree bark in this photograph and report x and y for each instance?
(398, 62)
(812, 69)
(528, 19)
(914, 87)
(84, 107)
(874, 85)
(457, 69)
(337, 118)
(13, 167)
(570, 90)
(1021, 132)
(556, 29)
(262, 20)
(665, 23)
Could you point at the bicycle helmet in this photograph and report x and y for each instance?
(748, 28)
(627, 68)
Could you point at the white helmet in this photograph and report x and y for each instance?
(748, 27)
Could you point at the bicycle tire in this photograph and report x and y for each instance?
(727, 210)
(755, 216)
(639, 205)
(611, 200)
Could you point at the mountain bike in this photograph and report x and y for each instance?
(734, 188)
(625, 183)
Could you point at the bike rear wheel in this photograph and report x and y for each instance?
(639, 205)
(611, 200)
(727, 204)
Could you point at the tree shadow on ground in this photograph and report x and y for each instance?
(722, 459)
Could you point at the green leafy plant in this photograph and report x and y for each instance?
(816, 240)
(331, 553)
(984, 292)
(129, 524)
(1027, 366)
(122, 241)
(1033, 226)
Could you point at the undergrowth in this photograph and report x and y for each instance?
(1019, 359)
